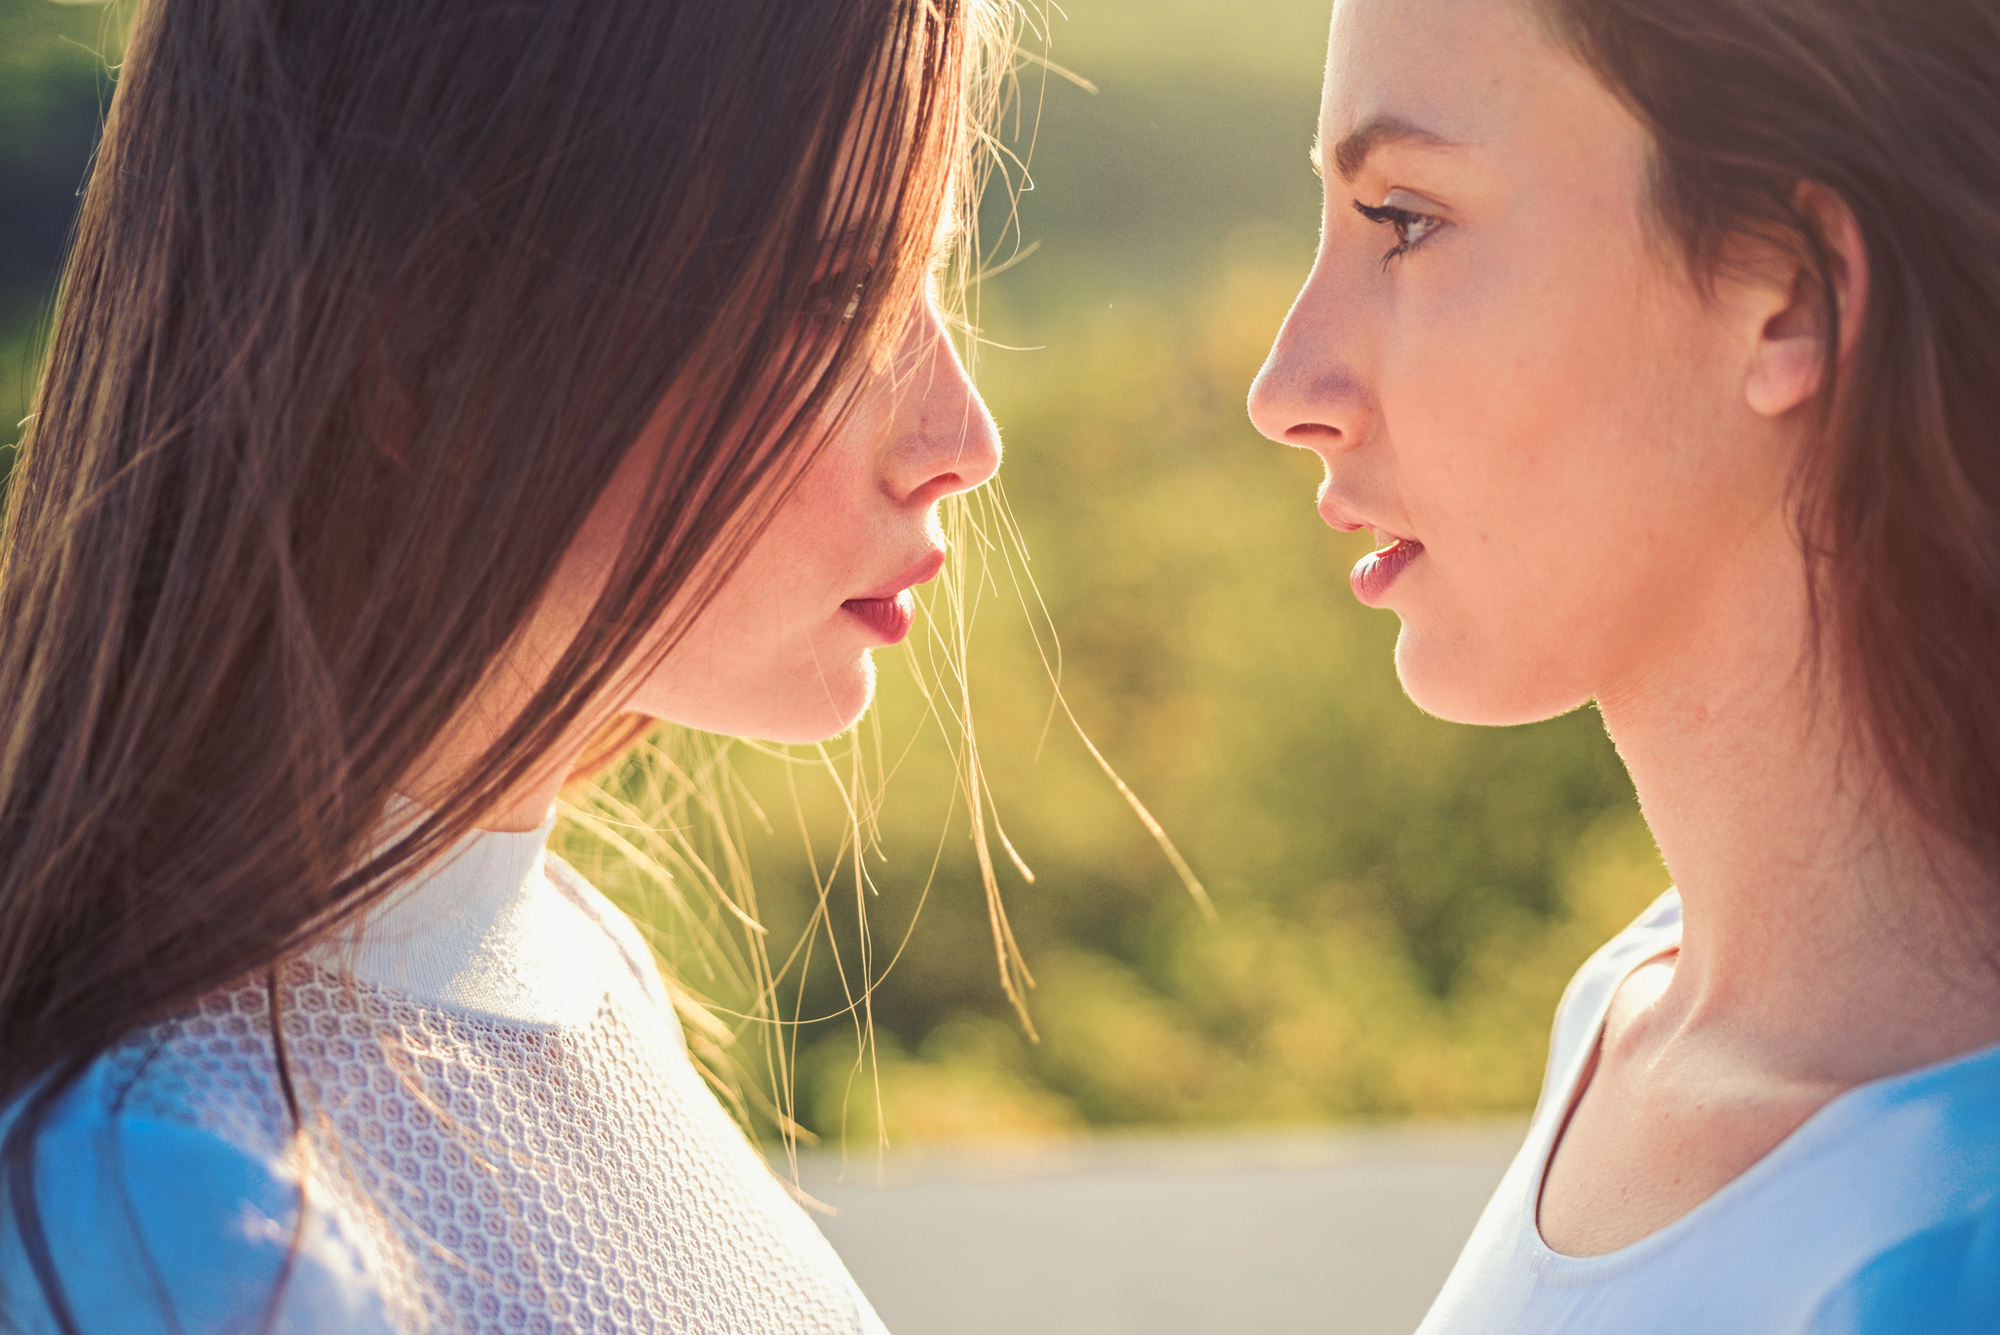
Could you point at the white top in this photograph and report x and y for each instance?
(503, 1132)
(1880, 1214)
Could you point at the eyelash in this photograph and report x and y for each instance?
(1402, 220)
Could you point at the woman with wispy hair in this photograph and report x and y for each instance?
(440, 391)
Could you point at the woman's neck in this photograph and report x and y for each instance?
(1818, 913)
(452, 762)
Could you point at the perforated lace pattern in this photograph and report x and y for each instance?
(498, 1177)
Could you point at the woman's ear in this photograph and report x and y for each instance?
(1788, 363)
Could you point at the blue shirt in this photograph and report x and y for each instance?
(157, 1226)
(502, 1130)
(1880, 1215)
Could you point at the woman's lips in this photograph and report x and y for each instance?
(891, 610)
(1374, 573)
(889, 618)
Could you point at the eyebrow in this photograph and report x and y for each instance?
(1353, 151)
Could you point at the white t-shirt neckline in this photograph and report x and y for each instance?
(1897, 1167)
(1657, 934)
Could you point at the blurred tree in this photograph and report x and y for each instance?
(53, 81)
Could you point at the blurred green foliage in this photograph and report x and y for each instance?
(54, 78)
(1399, 900)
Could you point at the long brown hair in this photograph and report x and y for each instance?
(365, 304)
(1895, 109)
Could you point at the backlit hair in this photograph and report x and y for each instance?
(366, 303)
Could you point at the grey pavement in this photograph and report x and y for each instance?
(1334, 1232)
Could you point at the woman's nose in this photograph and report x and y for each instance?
(1308, 392)
(945, 441)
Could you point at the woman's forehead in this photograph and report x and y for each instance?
(1450, 74)
(1454, 70)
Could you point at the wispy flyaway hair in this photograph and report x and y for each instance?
(366, 303)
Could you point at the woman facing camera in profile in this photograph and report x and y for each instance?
(438, 385)
(1659, 345)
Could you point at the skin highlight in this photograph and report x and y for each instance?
(1596, 450)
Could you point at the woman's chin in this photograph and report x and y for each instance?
(795, 707)
(1453, 681)
(825, 706)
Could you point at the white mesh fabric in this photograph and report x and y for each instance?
(507, 1177)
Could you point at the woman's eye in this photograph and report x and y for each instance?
(1412, 228)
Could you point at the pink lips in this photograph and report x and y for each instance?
(891, 610)
(1374, 573)
(889, 618)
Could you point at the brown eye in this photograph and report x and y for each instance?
(1411, 228)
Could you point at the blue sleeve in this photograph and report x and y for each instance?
(156, 1227)
(1943, 1281)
